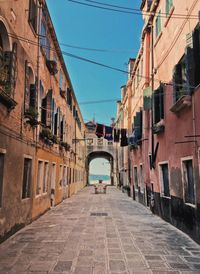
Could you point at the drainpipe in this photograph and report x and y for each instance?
(38, 63)
(152, 101)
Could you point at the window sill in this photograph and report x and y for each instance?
(165, 197)
(25, 199)
(183, 102)
(169, 16)
(190, 205)
(157, 39)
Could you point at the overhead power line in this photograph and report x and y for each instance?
(98, 101)
(136, 12)
(89, 60)
(95, 49)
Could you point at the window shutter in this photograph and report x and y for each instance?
(43, 115)
(196, 47)
(33, 14)
(26, 90)
(177, 81)
(156, 98)
(32, 96)
(190, 70)
(56, 123)
(74, 111)
(161, 103)
(48, 112)
(52, 114)
(61, 130)
(13, 68)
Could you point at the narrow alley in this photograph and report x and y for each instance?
(103, 233)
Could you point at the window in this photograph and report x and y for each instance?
(39, 177)
(46, 114)
(183, 75)
(196, 49)
(48, 45)
(61, 176)
(65, 176)
(44, 38)
(158, 105)
(169, 4)
(69, 97)
(158, 24)
(26, 178)
(30, 91)
(32, 18)
(141, 178)
(8, 70)
(53, 176)
(135, 177)
(137, 128)
(1, 176)
(188, 180)
(45, 177)
(164, 180)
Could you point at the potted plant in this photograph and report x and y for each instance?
(32, 116)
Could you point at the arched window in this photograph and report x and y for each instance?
(30, 89)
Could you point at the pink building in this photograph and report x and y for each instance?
(165, 148)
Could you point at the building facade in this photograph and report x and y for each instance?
(165, 148)
(40, 161)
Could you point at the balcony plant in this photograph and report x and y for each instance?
(32, 116)
(65, 145)
(47, 136)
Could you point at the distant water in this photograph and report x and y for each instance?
(99, 177)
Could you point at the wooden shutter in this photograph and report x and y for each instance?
(13, 68)
(196, 47)
(177, 81)
(48, 109)
(56, 124)
(190, 69)
(156, 109)
(26, 88)
(61, 129)
(161, 102)
(32, 96)
(43, 115)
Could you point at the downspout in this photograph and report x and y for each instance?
(152, 100)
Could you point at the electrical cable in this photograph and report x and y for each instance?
(90, 61)
(138, 10)
(130, 12)
(95, 49)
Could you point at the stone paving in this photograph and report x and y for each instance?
(77, 237)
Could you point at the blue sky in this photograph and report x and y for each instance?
(94, 28)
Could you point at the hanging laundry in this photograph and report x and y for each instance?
(116, 135)
(124, 140)
(108, 133)
(99, 130)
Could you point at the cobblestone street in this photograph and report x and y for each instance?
(104, 233)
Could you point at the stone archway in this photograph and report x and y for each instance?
(100, 154)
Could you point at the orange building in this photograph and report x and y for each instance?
(41, 161)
